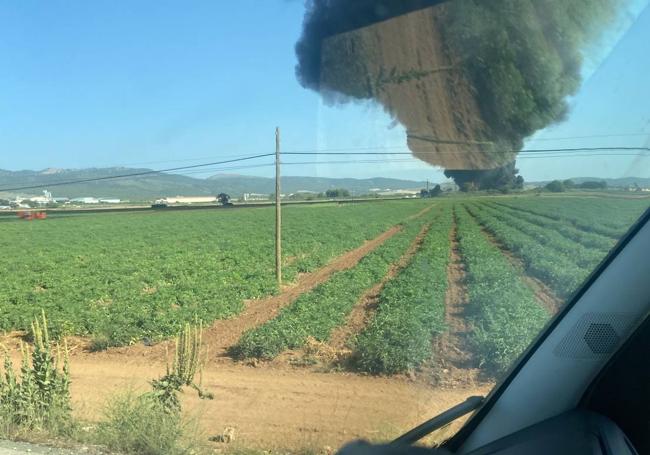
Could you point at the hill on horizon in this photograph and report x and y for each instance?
(152, 186)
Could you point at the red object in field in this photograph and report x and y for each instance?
(28, 216)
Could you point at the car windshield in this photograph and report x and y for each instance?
(280, 226)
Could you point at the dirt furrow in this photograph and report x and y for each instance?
(224, 333)
(420, 213)
(454, 363)
(543, 293)
(365, 308)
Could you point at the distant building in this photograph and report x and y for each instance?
(110, 201)
(85, 200)
(190, 199)
(42, 200)
(255, 197)
(389, 192)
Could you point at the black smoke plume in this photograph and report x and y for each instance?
(327, 18)
(502, 69)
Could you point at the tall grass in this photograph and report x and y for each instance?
(152, 423)
(37, 397)
(35, 401)
(141, 424)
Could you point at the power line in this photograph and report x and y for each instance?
(404, 160)
(592, 136)
(234, 168)
(456, 152)
(136, 174)
(205, 167)
(568, 155)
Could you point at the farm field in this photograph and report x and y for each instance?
(142, 275)
(391, 311)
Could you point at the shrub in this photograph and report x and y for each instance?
(39, 397)
(182, 372)
(556, 186)
(152, 423)
(141, 425)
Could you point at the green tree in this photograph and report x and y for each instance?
(569, 184)
(224, 199)
(556, 186)
(337, 192)
(593, 185)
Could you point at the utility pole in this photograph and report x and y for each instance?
(427, 185)
(278, 211)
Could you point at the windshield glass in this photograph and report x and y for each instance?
(283, 225)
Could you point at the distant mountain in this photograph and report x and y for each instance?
(135, 188)
(146, 187)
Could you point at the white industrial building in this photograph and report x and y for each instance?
(190, 199)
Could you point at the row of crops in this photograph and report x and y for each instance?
(317, 313)
(555, 244)
(410, 310)
(503, 310)
(606, 216)
(123, 277)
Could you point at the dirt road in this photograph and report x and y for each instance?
(275, 407)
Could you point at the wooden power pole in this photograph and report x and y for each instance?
(278, 211)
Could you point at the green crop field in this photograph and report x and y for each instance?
(123, 278)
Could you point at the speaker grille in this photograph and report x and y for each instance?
(595, 335)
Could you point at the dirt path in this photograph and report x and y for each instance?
(367, 304)
(454, 365)
(274, 408)
(543, 293)
(271, 406)
(421, 212)
(224, 333)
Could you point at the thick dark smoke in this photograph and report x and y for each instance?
(468, 79)
(327, 18)
(504, 178)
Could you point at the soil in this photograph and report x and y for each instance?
(276, 405)
(272, 406)
(420, 213)
(454, 366)
(222, 334)
(365, 308)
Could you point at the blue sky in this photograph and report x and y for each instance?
(160, 83)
